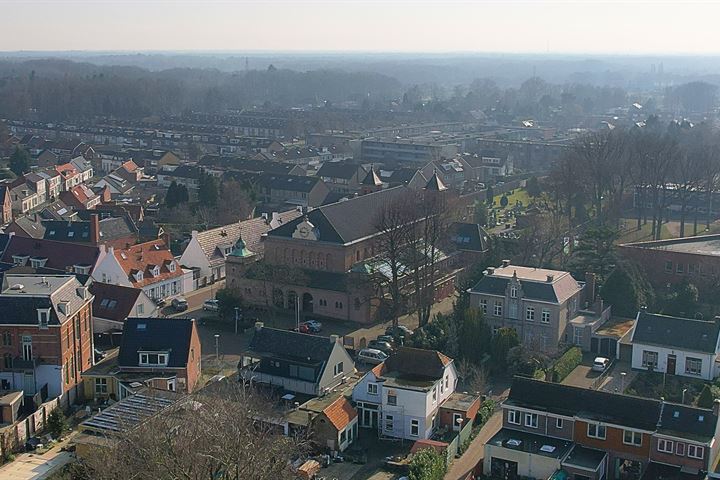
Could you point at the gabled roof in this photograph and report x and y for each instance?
(291, 345)
(343, 170)
(372, 178)
(688, 422)
(30, 224)
(290, 183)
(340, 413)
(22, 296)
(435, 184)
(469, 236)
(346, 221)
(676, 332)
(60, 255)
(113, 302)
(171, 335)
(534, 283)
(143, 257)
(415, 362)
(185, 171)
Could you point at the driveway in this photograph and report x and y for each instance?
(29, 466)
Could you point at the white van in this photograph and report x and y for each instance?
(370, 355)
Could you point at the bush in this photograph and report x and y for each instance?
(566, 364)
(427, 464)
(485, 412)
(705, 400)
(57, 423)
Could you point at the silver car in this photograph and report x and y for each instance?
(372, 356)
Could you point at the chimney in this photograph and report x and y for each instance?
(590, 282)
(275, 217)
(716, 407)
(259, 326)
(334, 338)
(94, 229)
(194, 234)
(505, 263)
(490, 270)
(550, 278)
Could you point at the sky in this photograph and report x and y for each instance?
(510, 26)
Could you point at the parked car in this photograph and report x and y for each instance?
(370, 355)
(211, 305)
(384, 347)
(400, 331)
(180, 304)
(313, 325)
(302, 328)
(386, 338)
(600, 364)
(160, 302)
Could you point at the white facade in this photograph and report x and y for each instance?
(411, 413)
(687, 363)
(194, 257)
(529, 465)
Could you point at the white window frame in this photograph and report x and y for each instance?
(530, 314)
(558, 422)
(692, 371)
(514, 417)
(101, 385)
(545, 315)
(692, 451)
(665, 446)
(483, 305)
(635, 438)
(649, 353)
(415, 424)
(389, 423)
(531, 420)
(597, 428)
(372, 389)
(144, 359)
(339, 369)
(498, 308)
(513, 291)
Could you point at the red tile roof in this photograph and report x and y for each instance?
(143, 257)
(340, 413)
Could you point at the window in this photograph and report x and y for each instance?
(153, 359)
(483, 306)
(7, 339)
(372, 389)
(531, 420)
(67, 373)
(596, 431)
(577, 335)
(27, 347)
(665, 446)
(339, 368)
(43, 318)
(447, 381)
(558, 422)
(680, 449)
(545, 316)
(530, 314)
(514, 417)
(101, 385)
(391, 399)
(414, 428)
(668, 266)
(343, 436)
(338, 305)
(140, 309)
(7, 360)
(695, 451)
(434, 394)
(498, 308)
(692, 268)
(632, 438)
(303, 373)
(679, 268)
(171, 266)
(693, 366)
(649, 359)
(389, 423)
(513, 291)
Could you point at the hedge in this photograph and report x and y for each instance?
(566, 364)
(485, 411)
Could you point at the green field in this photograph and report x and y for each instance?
(518, 194)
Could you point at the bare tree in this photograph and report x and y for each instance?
(220, 435)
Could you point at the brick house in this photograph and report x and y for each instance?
(591, 434)
(47, 336)
(6, 212)
(160, 353)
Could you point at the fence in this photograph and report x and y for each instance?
(12, 437)
(455, 446)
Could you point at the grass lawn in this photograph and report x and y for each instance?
(650, 385)
(518, 194)
(631, 234)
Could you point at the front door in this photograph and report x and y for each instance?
(369, 418)
(671, 361)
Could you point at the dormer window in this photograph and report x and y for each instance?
(155, 271)
(81, 269)
(139, 276)
(43, 318)
(153, 359)
(171, 266)
(20, 260)
(38, 262)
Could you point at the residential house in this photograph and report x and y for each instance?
(47, 337)
(47, 158)
(208, 251)
(296, 362)
(160, 353)
(115, 303)
(676, 346)
(188, 175)
(69, 176)
(50, 254)
(83, 167)
(304, 191)
(538, 303)
(401, 397)
(53, 182)
(488, 166)
(81, 197)
(342, 177)
(453, 172)
(5, 205)
(471, 239)
(149, 266)
(592, 434)
(118, 232)
(395, 151)
(331, 420)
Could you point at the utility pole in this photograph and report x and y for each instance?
(237, 312)
(217, 347)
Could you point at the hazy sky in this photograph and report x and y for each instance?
(577, 26)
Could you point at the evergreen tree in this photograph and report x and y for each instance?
(489, 196)
(57, 423)
(481, 214)
(474, 335)
(19, 161)
(627, 289)
(683, 300)
(428, 464)
(595, 253)
(504, 201)
(208, 190)
(533, 187)
(705, 399)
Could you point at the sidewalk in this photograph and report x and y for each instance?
(33, 466)
(461, 467)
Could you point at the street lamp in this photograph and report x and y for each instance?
(622, 381)
(237, 313)
(460, 421)
(683, 395)
(217, 346)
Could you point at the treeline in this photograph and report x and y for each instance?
(60, 90)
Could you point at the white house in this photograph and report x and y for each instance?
(149, 266)
(674, 345)
(113, 304)
(402, 396)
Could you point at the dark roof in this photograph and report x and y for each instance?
(623, 410)
(342, 170)
(435, 184)
(291, 345)
(417, 362)
(3, 193)
(4, 240)
(60, 255)
(469, 236)
(293, 183)
(346, 221)
(402, 175)
(688, 422)
(156, 334)
(23, 310)
(113, 302)
(532, 290)
(372, 178)
(185, 171)
(675, 332)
